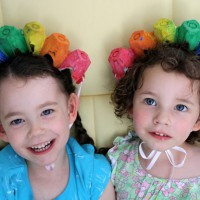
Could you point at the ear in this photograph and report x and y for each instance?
(72, 108)
(196, 127)
(3, 135)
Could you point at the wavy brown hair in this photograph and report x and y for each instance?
(172, 58)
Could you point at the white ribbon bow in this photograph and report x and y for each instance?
(154, 155)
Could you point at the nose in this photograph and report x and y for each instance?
(162, 117)
(36, 128)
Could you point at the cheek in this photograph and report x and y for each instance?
(140, 116)
(183, 128)
(15, 140)
(60, 124)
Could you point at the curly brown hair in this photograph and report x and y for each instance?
(171, 57)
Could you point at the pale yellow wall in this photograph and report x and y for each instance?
(1, 16)
(97, 27)
(184, 10)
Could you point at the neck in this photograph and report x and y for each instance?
(61, 163)
(43, 181)
(164, 162)
(176, 154)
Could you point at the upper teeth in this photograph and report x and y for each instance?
(41, 145)
(160, 134)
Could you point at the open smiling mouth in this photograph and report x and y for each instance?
(41, 148)
(160, 135)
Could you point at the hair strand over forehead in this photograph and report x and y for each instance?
(27, 66)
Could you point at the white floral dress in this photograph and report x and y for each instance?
(131, 181)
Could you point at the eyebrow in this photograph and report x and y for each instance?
(48, 103)
(11, 114)
(147, 92)
(185, 101)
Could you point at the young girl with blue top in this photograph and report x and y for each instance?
(42, 162)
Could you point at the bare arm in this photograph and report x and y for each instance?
(109, 192)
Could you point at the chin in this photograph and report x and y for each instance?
(159, 147)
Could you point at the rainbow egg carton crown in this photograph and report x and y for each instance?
(32, 38)
(164, 31)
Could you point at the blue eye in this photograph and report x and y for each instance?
(47, 112)
(150, 102)
(181, 107)
(17, 121)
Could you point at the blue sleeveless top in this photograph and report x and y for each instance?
(89, 174)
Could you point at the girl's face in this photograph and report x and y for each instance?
(165, 109)
(35, 116)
